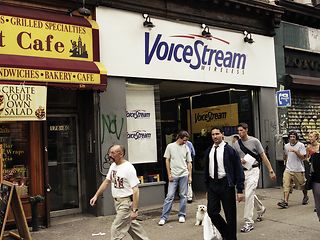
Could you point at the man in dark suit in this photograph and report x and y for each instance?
(223, 173)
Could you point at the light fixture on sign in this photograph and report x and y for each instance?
(82, 10)
(248, 37)
(147, 22)
(205, 31)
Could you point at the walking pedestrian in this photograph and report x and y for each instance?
(294, 155)
(251, 146)
(223, 173)
(124, 188)
(178, 165)
(312, 147)
(193, 154)
(315, 175)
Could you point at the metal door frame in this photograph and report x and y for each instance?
(79, 209)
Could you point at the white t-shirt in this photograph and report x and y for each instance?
(123, 178)
(294, 163)
(179, 155)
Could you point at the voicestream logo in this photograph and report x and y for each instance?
(138, 114)
(138, 134)
(196, 55)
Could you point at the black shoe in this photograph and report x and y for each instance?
(283, 204)
(305, 200)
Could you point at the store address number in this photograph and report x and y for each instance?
(60, 128)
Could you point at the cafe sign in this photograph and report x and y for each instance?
(39, 38)
(219, 116)
(23, 103)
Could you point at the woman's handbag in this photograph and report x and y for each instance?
(309, 182)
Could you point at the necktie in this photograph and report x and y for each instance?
(215, 175)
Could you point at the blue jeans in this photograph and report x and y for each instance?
(182, 182)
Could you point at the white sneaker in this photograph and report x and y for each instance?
(182, 219)
(161, 222)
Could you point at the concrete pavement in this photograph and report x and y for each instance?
(297, 222)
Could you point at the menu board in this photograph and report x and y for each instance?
(9, 197)
(14, 137)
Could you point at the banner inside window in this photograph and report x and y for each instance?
(141, 124)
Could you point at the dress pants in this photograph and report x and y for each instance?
(219, 193)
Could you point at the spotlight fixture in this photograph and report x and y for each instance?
(248, 37)
(205, 32)
(82, 10)
(147, 22)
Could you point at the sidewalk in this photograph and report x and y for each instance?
(297, 222)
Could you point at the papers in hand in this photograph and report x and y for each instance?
(249, 161)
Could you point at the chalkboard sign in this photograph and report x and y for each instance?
(5, 199)
(9, 197)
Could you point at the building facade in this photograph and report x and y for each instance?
(50, 76)
(168, 70)
(298, 70)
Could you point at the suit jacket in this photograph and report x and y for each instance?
(232, 166)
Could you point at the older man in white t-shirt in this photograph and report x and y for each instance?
(124, 183)
(294, 155)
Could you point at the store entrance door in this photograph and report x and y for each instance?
(63, 165)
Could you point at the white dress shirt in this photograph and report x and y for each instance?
(220, 151)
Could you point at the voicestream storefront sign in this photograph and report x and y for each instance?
(49, 48)
(178, 51)
(197, 55)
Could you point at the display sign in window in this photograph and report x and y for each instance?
(14, 139)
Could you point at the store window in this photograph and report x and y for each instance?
(14, 138)
(199, 113)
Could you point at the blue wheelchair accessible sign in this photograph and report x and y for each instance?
(284, 98)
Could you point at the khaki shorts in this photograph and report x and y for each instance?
(298, 179)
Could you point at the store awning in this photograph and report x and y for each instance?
(302, 80)
(53, 72)
(48, 48)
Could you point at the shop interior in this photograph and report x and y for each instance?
(177, 103)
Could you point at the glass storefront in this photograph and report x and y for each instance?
(198, 113)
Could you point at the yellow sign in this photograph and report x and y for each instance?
(21, 74)
(206, 118)
(23, 103)
(38, 38)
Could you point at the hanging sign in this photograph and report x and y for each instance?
(23, 103)
(283, 98)
(38, 38)
(141, 124)
(221, 115)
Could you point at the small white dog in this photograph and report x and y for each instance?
(201, 210)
